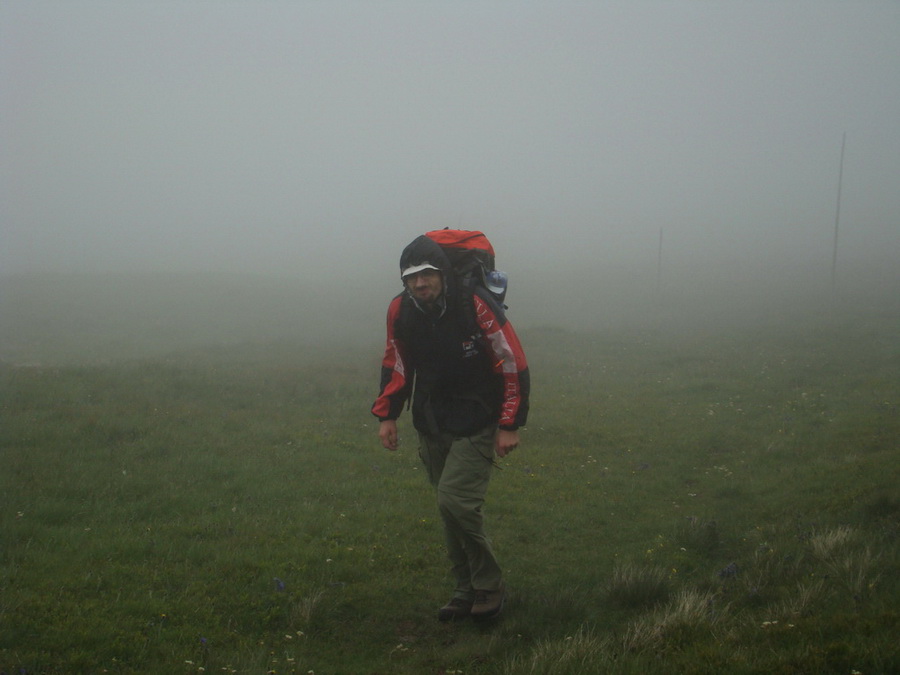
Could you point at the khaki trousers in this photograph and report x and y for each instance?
(460, 469)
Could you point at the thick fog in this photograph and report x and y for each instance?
(616, 148)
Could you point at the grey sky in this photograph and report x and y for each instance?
(284, 136)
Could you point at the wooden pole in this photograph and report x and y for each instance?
(837, 221)
(659, 269)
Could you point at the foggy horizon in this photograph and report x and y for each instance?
(275, 137)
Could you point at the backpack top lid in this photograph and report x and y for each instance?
(462, 239)
(469, 251)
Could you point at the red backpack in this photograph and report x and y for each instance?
(472, 257)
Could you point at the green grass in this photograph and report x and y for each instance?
(723, 502)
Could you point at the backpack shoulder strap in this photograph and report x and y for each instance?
(402, 323)
(466, 287)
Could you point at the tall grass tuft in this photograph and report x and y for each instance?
(673, 625)
(802, 601)
(830, 543)
(302, 610)
(582, 652)
(848, 560)
(634, 586)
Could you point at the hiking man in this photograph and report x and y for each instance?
(471, 397)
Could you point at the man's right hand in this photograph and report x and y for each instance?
(387, 432)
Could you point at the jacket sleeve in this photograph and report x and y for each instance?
(508, 361)
(396, 381)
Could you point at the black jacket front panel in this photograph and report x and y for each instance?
(456, 390)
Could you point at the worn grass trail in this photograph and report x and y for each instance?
(717, 503)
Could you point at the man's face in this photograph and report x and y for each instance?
(425, 286)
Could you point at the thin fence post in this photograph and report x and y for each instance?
(659, 269)
(837, 221)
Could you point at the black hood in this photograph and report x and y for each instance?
(422, 250)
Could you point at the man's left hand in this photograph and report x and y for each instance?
(505, 442)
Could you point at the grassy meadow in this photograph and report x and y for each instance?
(692, 501)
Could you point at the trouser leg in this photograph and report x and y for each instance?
(460, 470)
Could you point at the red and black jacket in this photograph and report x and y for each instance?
(464, 367)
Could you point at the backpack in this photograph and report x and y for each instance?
(472, 257)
